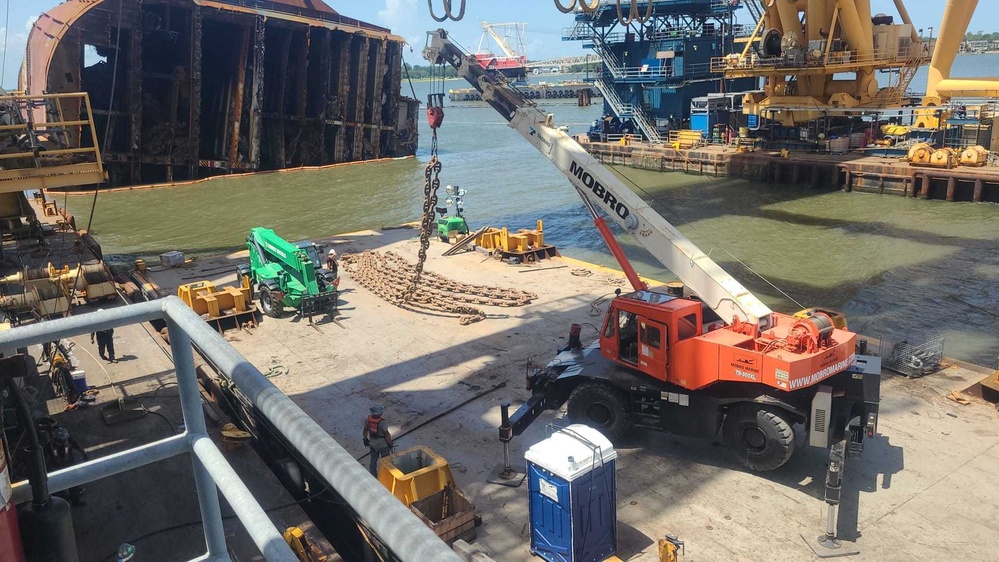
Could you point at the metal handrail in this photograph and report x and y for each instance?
(46, 139)
(838, 62)
(628, 110)
(394, 525)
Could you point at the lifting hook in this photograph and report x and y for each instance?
(448, 13)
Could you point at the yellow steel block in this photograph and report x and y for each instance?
(204, 298)
(414, 474)
(501, 239)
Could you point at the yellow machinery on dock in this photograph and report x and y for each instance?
(975, 156)
(304, 550)
(48, 291)
(414, 474)
(685, 139)
(218, 306)
(422, 480)
(806, 47)
(922, 154)
(526, 245)
(943, 158)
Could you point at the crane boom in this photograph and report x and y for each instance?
(602, 189)
(490, 28)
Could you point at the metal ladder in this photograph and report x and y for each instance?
(628, 110)
(618, 72)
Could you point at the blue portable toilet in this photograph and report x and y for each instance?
(573, 496)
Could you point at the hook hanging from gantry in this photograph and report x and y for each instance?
(448, 12)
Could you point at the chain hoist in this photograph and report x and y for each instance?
(432, 181)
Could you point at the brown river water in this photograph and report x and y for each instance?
(899, 268)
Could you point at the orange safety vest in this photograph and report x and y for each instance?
(373, 426)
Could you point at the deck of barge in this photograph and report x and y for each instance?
(154, 507)
(925, 486)
(871, 171)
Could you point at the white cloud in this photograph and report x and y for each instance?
(401, 17)
(397, 12)
(16, 42)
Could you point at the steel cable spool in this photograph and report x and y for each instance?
(94, 273)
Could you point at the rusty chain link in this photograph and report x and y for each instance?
(430, 186)
(389, 276)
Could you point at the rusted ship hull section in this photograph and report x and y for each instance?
(203, 87)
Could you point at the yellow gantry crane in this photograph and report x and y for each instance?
(940, 87)
(805, 44)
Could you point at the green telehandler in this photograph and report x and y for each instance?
(284, 274)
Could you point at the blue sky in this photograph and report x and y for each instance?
(411, 18)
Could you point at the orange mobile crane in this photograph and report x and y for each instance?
(696, 365)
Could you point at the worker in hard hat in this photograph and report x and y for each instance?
(61, 452)
(377, 437)
(331, 263)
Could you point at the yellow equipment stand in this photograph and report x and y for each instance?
(300, 545)
(214, 304)
(414, 474)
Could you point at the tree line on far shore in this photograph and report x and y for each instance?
(982, 36)
(417, 72)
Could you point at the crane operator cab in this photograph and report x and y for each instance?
(314, 251)
(641, 327)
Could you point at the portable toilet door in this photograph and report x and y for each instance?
(572, 496)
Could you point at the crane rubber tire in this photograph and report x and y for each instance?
(601, 407)
(760, 437)
(267, 304)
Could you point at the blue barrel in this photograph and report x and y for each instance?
(573, 496)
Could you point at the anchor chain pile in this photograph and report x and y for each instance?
(390, 276)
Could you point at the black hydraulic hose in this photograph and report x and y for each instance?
(37, 474)
(442, 414)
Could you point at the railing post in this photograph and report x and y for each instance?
(194, 421)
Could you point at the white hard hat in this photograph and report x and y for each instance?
(332, 252)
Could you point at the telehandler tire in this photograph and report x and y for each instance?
(269, 305)
(760, 437)
(241, 276)
(601, 407)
